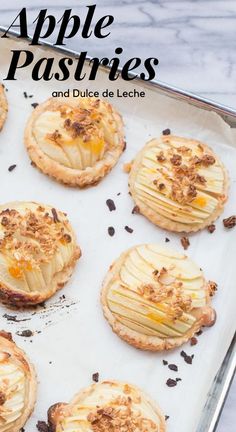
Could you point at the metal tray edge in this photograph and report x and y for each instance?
(221, 385)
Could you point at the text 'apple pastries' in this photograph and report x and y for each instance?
(109, 406)
(156, 298)
(178, 183)
(75, 140)
(38, 252)
(17, 386)
(3, 106)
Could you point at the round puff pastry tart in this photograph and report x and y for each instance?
(75, 140)
(155, 298)
(3, 106)
(38, 252)
(178, 183)
(17, 386)
(109, 406)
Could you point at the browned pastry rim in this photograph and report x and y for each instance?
(61, 410)
(91, 175)
(7, 346)
(206, 316)
(41, 236)
(3, 106)
(170, 223)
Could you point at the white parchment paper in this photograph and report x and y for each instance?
(71, 338)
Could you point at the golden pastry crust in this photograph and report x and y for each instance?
(17, 384)
(38, 252)
(77, 141)
(155, 298)
(179, 184)
(110, 406)
(3, 106)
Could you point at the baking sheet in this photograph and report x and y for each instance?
(71, 338)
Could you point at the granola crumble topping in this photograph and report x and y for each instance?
(167, 291)
(185, 177)
(119, 417)
(30, 238)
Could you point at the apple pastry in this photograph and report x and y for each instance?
(75, 140)
(108, 406)
(17, 386)
(155, 298)
(3, 106)
(38, 252)
(178, 183)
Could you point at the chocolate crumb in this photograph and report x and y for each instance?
(178, 379)
(136, 210)
(25, 333)
(229, 222)
(185, 242)
(95, 377)
(211, 228)
(128, 229)
(173, 367)
(171, 382)
(199, 333)
(12, 167)
(111, 231)
(110, 204)
(165, 362)
(166, 132)
(167, 240)
(193, 341)
(188, 359)
(33, 164)
(118, 193)
(166, 417)
(55, 215)
(42, 426)
(34, 104)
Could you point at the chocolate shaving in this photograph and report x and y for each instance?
(95, 377)
(34, 105)
(230, 222)
(199, 333)
(166, 132)
(185, 242)
(166, 417)
(167, 240)
(188, 359)
(173, 367)
(128, 229)
(12, 167)
(171, 382)
(111, 231)
(110, 204)
(211, 228)
(165, 362)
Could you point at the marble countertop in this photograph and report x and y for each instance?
(194, 41)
